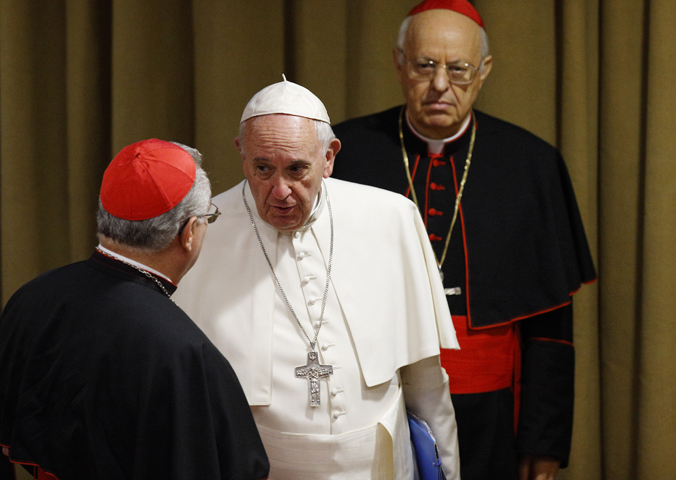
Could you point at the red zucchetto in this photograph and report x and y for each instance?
(461, 6)
(147, 179)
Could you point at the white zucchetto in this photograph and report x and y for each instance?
(287, 98)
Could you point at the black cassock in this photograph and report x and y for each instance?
(104, 377)
(518, 252)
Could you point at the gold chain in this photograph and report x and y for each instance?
(462, 182)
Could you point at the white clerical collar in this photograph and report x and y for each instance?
(317, 209)
(435, 146)
(124, 259)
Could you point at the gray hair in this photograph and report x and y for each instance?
(324, 132)
(155, 234)
(401, 40)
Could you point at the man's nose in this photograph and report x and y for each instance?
(280, 188)
(440, 80)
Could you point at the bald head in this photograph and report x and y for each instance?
(436, 107)
(437, 22)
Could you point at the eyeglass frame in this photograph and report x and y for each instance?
(211, 217)
(417, 76)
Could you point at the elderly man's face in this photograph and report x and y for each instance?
(284, 164)
(436, 107)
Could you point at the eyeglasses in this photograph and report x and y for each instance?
(459, 73)
(210, 216)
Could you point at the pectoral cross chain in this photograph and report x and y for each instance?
(313, 371)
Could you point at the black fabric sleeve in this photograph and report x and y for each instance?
(198, 424)
(547, 385)
(240, 450)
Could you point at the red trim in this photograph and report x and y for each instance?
(589, 282)
(542, 311)
(516, 319)
(557, 340)
(41, 474)
(415, 167)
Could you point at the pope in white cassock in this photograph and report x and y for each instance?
(325, 297)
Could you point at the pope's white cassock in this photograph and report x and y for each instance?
(385, 318)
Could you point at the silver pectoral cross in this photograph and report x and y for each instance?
(313, 371)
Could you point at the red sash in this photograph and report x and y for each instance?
(488, 360)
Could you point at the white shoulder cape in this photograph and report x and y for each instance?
(384, 274)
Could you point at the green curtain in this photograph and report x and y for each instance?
(80, 79)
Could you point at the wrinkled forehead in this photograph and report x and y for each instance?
(434, 32)
(279, 131)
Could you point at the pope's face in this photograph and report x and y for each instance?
(436, 107)
(284, 164)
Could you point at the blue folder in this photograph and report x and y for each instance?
(425, 449)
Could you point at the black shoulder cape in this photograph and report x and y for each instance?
(104, 377)
(525, 247)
